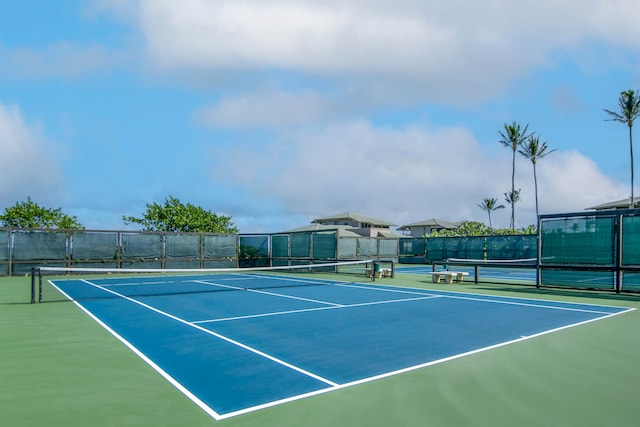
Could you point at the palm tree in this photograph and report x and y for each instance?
(534, 150)
(629, 103)
(489, 205)
(511, 198)
(512, 138)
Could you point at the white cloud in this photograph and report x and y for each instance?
(29, 168)
(449, 50)
(407, 175)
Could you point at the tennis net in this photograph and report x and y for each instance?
(76, 283)
(496, 270)
(514, 263)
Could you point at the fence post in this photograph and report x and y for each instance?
(618, 233)
(539, 254)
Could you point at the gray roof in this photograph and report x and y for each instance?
(355, 217)
(618, 204)
(389, 235)
(343, 230)
(433, 222)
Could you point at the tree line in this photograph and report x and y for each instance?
(172, 215)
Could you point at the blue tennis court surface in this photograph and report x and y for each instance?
(235, 343)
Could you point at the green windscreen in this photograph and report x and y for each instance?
(141, 250)
(40, 245)
(578, 279)
(512, 247)
(442, 248)
(301, 245)
(588, 240)
(254, 251)
(631, 240)
(4, 245)
(324, 245)
(367, 247)
(347, 247)
(220, 246)
(388, 248)
(412, 250)
(94, 246)
(280, 246)
(182, 251)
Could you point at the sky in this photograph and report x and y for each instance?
(279, 112)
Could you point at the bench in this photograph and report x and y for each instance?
(449, 276)
(383, 272)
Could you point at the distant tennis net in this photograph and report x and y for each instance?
(496, 270)
(60, 283)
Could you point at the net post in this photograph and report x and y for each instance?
(539, 255)
(39, 285)
(476, 273)
(33, 285)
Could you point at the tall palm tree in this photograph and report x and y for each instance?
(629, 103)
(512, 137)
(489, 205)
(534, 150)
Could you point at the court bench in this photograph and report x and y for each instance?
(448, 276)
(383, 272)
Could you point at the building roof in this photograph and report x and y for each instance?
(355, 217)
(618, 204)
(343, 230)
(433, 223)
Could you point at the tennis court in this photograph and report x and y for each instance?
(236, 343)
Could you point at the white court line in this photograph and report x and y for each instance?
(258, 291)
(483, 298)
(217, 335)
(552, 307)
(304, 310)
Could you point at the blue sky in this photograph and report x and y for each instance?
(279, 112)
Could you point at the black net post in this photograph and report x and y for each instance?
(375, 270)
(39, 285)
(33, 285)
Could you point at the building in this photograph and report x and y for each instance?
(618, 204)
(361, 225)
(420, 228)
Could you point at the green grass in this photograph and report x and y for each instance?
(58, 367)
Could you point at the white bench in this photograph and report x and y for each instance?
(383, 272)
(449, 276)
